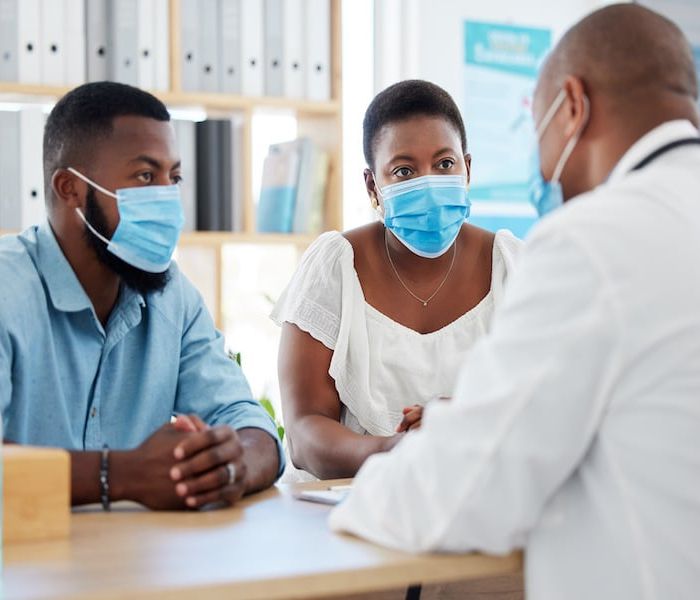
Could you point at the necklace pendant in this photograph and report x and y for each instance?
(425, 304)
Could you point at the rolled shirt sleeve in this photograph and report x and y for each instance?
(212, 385)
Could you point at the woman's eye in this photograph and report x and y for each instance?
(402, 172)
(176, 179)
(146, 177)
(446, 163)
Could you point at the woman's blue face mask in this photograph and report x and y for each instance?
(426, 213)
(150, 222)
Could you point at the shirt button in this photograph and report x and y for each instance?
(93, 412)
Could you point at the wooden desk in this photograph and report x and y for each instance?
(269, 547)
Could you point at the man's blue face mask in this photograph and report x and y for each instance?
(546, 196)
(150, 222)
(426, 213)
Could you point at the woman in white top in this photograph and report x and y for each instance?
(376, 320)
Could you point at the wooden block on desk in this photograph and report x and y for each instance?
(36, 493)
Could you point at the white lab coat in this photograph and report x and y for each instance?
(575, 427)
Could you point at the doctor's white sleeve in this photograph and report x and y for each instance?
(527, 405)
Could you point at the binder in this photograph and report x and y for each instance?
(237, 150)
(226, 174)
(74, 56)
(20, 58)
(208, 176)
(293, 49)
(278, 191)
(252, 45)
(97, 49)
(208, 42)
(274, 59)
(22, 192)
(146, 39)
(52, 43)
(187, 140)
(311, 192)
(33, 209)
(9, 169)
(230, 45)
(189, 14)
(318, 49)
(123, 40)
(161, 48)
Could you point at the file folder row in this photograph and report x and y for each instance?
(212, 174)
(68, 42)
(257, 47)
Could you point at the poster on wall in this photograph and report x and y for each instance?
(501, 63)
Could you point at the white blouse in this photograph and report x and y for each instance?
(380, 366)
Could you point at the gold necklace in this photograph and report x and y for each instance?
(423, 301)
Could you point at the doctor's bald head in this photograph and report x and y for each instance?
(614, 76)
(631, 55)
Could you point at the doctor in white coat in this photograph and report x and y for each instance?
(574, 431)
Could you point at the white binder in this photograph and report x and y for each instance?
(146, 34)
(10, 217)
(230, 45)
(252, 43)
(74, 56)
(53, 40)
(318, 49)
(97, 49)
(123, 40)
(20, 58)
(208, 34)
(33, 209)
(189, 29)
(274, 47)
(161, 48)
(293, 52)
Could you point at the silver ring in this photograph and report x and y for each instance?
(231, 468)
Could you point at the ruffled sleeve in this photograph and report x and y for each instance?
(314, 297)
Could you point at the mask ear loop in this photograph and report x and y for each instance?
(569, 148)
(378, 192)
(94, 231)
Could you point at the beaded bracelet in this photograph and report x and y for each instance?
(104, 478)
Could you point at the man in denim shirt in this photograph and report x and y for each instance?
(103, 340)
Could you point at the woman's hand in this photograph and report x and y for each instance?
(412, 417)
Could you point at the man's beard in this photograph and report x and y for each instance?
(141, 281)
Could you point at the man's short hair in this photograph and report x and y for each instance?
(85, 116)
(404, 100)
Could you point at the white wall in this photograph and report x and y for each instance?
(424, 38)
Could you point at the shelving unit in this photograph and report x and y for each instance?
(322, 121)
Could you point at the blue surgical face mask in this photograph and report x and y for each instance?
(426, 213)
(150, 222)
(546, 196)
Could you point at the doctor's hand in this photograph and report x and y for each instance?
(412, 417)
(210, 467)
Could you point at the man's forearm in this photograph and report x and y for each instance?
(261, 458)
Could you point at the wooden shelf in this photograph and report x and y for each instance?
(22, 92)
(221, 238)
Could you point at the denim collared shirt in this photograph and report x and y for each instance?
(67, 381)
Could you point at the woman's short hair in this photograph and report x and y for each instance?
(406, 99)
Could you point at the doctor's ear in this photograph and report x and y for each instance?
(468, 163)
(576, 105)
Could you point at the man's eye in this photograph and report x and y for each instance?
(146, 177)
(403, 172)
(176, 179)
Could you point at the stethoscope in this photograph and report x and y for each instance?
(664, 149)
